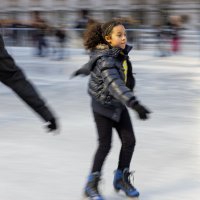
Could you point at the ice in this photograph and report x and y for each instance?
(35, 165)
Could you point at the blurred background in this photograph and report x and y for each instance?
(164, 25)
(45, 39)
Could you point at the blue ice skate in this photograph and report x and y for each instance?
(91, 189)
(122, 182)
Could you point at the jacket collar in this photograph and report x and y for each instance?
(127, 49)
(115, 51)
(102, 50)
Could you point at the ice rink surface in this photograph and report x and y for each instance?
(35, 165)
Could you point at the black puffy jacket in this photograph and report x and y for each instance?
(110, 94)
(12, 76)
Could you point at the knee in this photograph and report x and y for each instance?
(105, 148)
(130, 143)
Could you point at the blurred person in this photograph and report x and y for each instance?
(111, 87)
(40, 35)
(12, 76)
(163, 35)
(52, 42)
(82, 21)
(12, 33)
(175, 26)
(15, 33)
(61, 36)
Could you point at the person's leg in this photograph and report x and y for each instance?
(104, 129)
(122, 175)
(126, 134)
(39, 46)
(62, 50)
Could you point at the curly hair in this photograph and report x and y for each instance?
(93, 36)
(96, 32)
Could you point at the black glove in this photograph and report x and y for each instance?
(76, 73)
(143, 112)
(51, 125)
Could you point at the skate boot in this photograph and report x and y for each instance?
(122, 182)
(91, 189)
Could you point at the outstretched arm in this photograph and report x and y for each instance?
(12, 76)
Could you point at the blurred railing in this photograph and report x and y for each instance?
(140, 38)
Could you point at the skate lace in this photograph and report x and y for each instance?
(96, 188)
(127, 180)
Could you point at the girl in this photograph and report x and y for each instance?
(110, 87)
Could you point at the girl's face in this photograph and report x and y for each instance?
(117, 37)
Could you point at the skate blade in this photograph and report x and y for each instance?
(85, 197)
(128, 198)
(88, 198)
(132, 198)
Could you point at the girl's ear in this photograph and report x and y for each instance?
(108, 38)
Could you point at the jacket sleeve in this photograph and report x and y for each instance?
(114, 82)
(12, 76)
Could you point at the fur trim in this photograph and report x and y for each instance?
(102, 46)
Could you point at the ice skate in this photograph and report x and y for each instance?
(122, 183)
(91, 189)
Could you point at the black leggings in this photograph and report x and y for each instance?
(126, 134)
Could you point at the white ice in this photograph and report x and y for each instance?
(35, 165)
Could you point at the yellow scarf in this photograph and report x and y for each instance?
(125, 67)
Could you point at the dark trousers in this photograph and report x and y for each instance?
(126, 134)
(42, 43)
